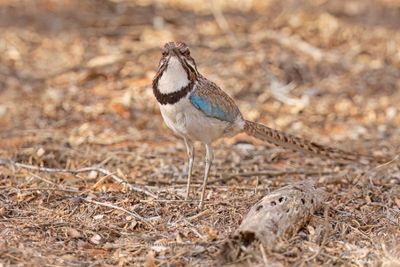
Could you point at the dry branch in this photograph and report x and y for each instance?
(111, 206)
(268, 173)
(279, 214)
(74, 171)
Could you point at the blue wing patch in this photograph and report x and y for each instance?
(211, 109)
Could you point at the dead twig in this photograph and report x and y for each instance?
(74, 171)
(197, 216)
(394, 159)
(264, 255)
(269, 173)
(111, 206)
(42, 179)
(49, 189)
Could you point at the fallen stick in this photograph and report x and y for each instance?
(111, 206)
(74, 171)
(278, 215)
(268, 173)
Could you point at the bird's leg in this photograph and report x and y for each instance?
(209, 158)
(190, 153)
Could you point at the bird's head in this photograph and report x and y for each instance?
(176, 57)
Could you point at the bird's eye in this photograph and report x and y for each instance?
(164, 53)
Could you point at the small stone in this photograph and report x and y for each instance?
(40, 152)
(92, 175)
(95, 239)
(73, 233)
(98, 217)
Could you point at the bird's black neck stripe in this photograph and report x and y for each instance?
(174, 97)
(171, 98)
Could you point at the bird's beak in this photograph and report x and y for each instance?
(175, 51)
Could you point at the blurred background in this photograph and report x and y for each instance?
(322, 69)
(75, 91)
(76, 77)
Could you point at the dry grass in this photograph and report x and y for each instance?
(75, 92)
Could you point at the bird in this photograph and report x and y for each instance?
(197, 109)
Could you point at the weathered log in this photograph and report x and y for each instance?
(278, 215)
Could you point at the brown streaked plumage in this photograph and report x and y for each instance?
(282, 139)
(217, 97)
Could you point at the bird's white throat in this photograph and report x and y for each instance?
(173, 78)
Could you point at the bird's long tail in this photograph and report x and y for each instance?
(279, 138)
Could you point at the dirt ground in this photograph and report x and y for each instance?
(75, 92)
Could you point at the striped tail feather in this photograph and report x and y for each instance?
(288, 141)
